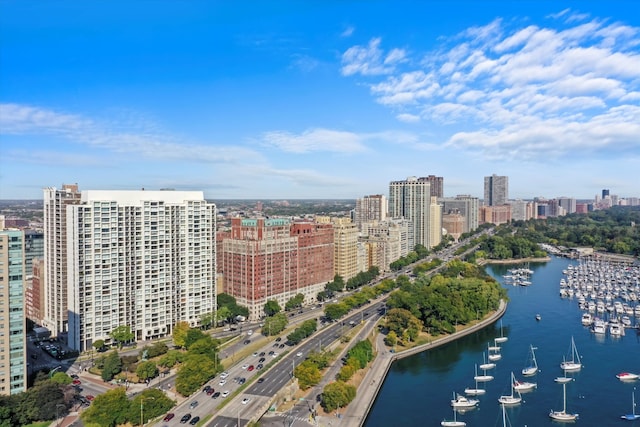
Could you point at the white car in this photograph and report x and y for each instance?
(275, 354)
(299, 354)
(245, 366)
(222, 382)
(249, 333)
(245, 400)
(225, 393)
(224, 375)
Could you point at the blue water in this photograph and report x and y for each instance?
(417, 390)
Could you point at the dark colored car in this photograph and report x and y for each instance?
(194, 420)
(169, 416)
(247, 341)
(261, 354)
(262, 359)
(211, 391)
(185, 418)
(206, 388)
(260, 380)
(278, 339)
(215, 395)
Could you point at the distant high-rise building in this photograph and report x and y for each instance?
(143, 259)
(496, 190)
(345, 249)
(466, 205)
(437, 185)
(568, 203)
(411, 199)
(370, 208)
(435, 222)
(385, 242)
(265, 259)
(605, 193)
(521, 210)
(34, 292)
(13, 349)
(55, 314)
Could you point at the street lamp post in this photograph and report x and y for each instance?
(57, 413)
(142, 399)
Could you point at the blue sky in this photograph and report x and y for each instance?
(320, 99)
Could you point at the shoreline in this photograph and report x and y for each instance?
(485, 261)
(357, 411)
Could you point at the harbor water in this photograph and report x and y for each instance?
(418, 390)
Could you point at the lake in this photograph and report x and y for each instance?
(418, 389)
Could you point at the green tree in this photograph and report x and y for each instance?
(108, 409)
(223, 314)
(154, 402)
(272, 307)
(307, 374)
(112, 366)
(194, 371)
(122, 334)
(337, 395)
(391, 339)
(335, 311)
(61, 378)
(207, 320)
(275, 324)
(294, 302)
(180, 334)
(146, 370)
(172, 357)
(192, 336)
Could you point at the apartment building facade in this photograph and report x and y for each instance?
(143, 259)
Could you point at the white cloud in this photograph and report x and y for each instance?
(370, 60)
(16, 119)
(534, 90)
(315, 140)
(347, 31)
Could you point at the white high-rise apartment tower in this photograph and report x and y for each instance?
(411, 199)
(143, 259)
(55, 256)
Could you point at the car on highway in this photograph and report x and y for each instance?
(261, 354)
(260, 380)
(215, 395)
(255, 354)
(210, 391)
(185, 418)
(299, 354)
(90, 397)
(225, 393)
(275, 354)
(245, 366)
(194, 420)
(169, 417)
(77, 382)
(278, 339)
(251, 368)
(193, 404)
(242, 380)
(262, 359)
(245, 400)
(224, 375)
(222, 382)
(259, 366)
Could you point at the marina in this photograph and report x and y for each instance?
(594, 391)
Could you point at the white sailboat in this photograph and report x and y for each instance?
(563, 415)
(511, 399)
(486, 366)
(524, 385)
(573, 364)
(454, 423)
(493, 353)
(501, 338)
(475, 391)
(632, 416)
(532, 363)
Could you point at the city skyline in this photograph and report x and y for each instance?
(320, 101)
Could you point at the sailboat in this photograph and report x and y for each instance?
(574, 363)
(532, 363)
(485, 366)
(524, 385)
(454, 423)
(564, 379)
(511, 399)
(563, 415)
(475, 391)
(632, 416)
(501, 338)
(494, 353)
(484, 377)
